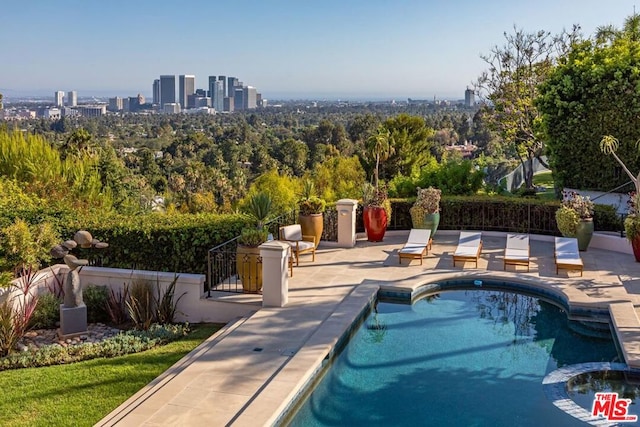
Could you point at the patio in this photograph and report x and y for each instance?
(247, 373)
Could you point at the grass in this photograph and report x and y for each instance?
(545, 179)
(82, 393)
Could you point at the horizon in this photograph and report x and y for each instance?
(286, 50)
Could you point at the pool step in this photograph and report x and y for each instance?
(590, 329)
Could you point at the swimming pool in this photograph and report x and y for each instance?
(468, 358)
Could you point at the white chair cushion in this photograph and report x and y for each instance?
(292, 232)
(413, 249)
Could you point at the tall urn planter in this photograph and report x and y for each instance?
(310, 215)
(635, 244)
(584, 233)
(312, 225)
(431, 222)
(249, 268)
(375, 222)
(425, 212)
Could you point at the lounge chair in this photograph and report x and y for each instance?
(469, 247)
(517, 250)
(566, 254)
(292, 234)
(417, 246)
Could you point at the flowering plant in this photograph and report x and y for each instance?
(428, 200)
(582, 205)
(376, 197)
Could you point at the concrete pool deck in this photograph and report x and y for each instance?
(246, 374)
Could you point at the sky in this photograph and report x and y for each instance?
(287, 49)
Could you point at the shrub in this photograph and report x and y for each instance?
(47, 312)
(567, 220)
(96, 298)
(117, 305)
(123, 343)
(166, 305)
(140, 305)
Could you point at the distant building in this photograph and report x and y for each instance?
(58, 98)
(187, 86)
(249, 97)
(156, 92)
(198, 101)
(72, 98)
(223, 79)
(217, 95)
(228, 104)
(238, 99)
(469, 98)
(92, 110)
(232, 82)
(171, 108)
(167, 89)
(115, 104)
(53, 113)
(134, 104)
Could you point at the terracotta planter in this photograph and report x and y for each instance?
(249, 268)
(635, 244)
(312, 225)
(375, 222)
(584, 233)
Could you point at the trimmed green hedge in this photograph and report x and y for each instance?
(159, 242)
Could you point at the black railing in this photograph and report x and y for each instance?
(222, 260)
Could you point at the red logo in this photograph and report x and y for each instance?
(609, 406)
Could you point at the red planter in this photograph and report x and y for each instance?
(375, 223)
(635, 244)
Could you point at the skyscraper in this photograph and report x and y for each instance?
(72, 98)
(217, 95)
(167, 89)
(469, 98)
(58, 98)
(238, 99)
(187, 87)
(249, 97)
(156, 92)
(223, 79)
(232, 82)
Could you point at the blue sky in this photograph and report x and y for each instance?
(286, 48)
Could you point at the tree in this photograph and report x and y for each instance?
(591, 93)
(510, 85)
(379, 148)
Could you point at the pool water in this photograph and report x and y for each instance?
(464, 358)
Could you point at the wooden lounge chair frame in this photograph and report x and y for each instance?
(516, 251)
(467, 237)
(418, 244)
(567, 255)
(292, 234)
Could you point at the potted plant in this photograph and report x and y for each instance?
(567, 220)
(609, 144)
(310, 210)
(376, 211)
(377, 208)
(248, 261)
(575, 218)
(425, 212)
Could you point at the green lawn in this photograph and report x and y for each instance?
(82, 393)
(545, 179)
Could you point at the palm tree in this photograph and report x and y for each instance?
(609, 145)
(380, 147)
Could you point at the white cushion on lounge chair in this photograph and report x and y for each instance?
(567, 254)
(469, 247)
(417, 244)
(516, 251)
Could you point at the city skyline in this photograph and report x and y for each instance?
(360, 49)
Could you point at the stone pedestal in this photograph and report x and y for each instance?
(73, 321)
(275, 277)
(347, 222)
